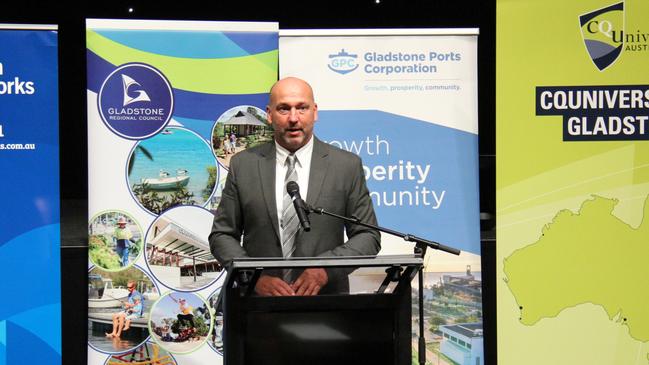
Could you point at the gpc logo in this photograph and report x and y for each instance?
(342, 62)
(603, 34)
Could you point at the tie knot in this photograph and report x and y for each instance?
(290, 161)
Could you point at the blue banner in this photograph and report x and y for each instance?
(29, 219)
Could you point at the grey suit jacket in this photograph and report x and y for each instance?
(248, 209)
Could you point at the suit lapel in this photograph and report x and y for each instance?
(267, 183)
(319, 165)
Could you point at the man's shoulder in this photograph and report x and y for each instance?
(339, 154)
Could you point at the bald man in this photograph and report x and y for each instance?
(246, 223)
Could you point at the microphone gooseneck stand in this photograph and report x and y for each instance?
(421, 245)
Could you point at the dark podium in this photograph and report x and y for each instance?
(369, 325)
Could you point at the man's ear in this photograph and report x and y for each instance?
(268, 118)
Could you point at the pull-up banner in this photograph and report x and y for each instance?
(169, 103)
(406, 102)
(30, 315)
(572, 182)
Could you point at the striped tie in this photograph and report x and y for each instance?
(289, 221)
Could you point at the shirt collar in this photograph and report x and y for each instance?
(302, 154)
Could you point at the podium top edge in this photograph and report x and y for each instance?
(378, 32)
(338, 261)
(8, 26)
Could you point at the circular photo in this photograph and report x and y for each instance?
(180, 322)
(239, 128)
(148, 353)
(119, 304)
(177, 250)
(174, 167)
(216, 337)
(215, 200)
(114, 240)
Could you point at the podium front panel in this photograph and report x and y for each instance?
(369, 323)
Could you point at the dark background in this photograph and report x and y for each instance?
(290, 15)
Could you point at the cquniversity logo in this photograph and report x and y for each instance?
(135, 101)
(342, 62)
(603, 33)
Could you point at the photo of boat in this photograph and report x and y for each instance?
(107, 297)
(165, 181)
(102, 293)
(151, 294)
(171, 169)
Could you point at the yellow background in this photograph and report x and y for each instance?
(539, 43)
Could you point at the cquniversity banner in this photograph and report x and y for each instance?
(169, 103)
(573, 182)
(30, 317)
(406, 102)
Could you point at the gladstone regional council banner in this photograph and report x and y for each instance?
(572, 182)
(169, 103)
(406, 102)
(30, 235)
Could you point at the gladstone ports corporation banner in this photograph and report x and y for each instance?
(406, 102)
(30, 238)
(573, 182)
(169, 103)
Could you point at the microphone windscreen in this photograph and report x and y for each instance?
(292, 187)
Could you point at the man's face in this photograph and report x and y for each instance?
(292, 111)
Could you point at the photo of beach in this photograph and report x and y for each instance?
(119, 304)
(180, 322)
(174, 167)
(237, 129)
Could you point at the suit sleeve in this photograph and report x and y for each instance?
(227, 228)
(362, 241)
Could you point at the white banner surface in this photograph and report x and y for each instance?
(406, 102)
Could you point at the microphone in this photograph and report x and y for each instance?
(293, 191)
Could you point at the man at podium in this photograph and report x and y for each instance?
(257, 218)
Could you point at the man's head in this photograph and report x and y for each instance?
(130, 285)
(121, 222)
(292, 111)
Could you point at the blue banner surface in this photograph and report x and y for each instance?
(29, 219)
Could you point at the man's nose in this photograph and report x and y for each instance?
(293, 115)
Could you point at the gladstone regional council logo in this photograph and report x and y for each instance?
(343, 62)
(135, 101)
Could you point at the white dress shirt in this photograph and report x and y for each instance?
(302, 168)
